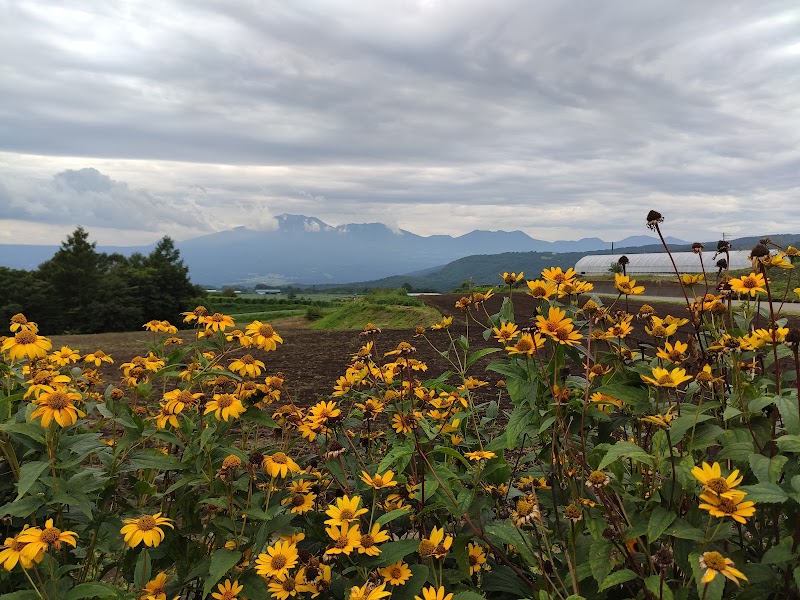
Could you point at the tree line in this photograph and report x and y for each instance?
(80, 290)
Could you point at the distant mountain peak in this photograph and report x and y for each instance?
(287, 222)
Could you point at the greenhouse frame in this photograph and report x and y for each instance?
(658, 263)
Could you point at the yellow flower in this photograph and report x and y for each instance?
(713, 481)
(146, 528)
(436, 545)
(512, 278)
(480, 455)
(527, 344)
(368, 592)
(556, 319)
(432, 593)
(217, 322)
(289, 585)
(660, 328)
(225, 406)
(621, 329)
(57, 404)
(98, 357)
(665, 378)
(13, 552)
(396, 574)
(345, 538)
(38, 540)
(279, 464)
(541, 289)
(369, 541)
(278, 559)
(177, 400)
(443, 324)
(476, 556)
(228, 590)
(323, 411)
(731, 505)
(626, 285)
(247, 365)
(344, 510)
(506, 332)
(19, 321)
(263, 335)
(673, 353)
(64, 356)
(749, 284)
(714, 562)
(167, 415)
(557, 276)
(689, 279)
(660, 420)
(604, 401)
(26, 343)
(299, 502)
(154, 589)
(379, 481)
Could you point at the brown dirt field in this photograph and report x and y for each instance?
(312, 360)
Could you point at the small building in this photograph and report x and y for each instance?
(659, 263)
(268, 291)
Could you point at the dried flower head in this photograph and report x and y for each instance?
(653, 219)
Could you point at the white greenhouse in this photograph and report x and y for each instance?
(658, 263)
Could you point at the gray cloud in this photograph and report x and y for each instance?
(569, 118)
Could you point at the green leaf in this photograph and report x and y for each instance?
(477, 355)
(254, 415)
(684, 531)
(391, 552)
(769, 493)
(789, 414)
(520, 418)
(738, 451)
(394, 455)
(684, 423)
(28, 475)
(468, 595)
(21, 508)
(502, 579)
(789, 443)
(222, 561)
(625, 450)
(391, 516)
(780, 554)
(653, 584)
(627, 393)
(144, 569)
(616, 578)
(660, 520)
(153, 459)
(600, 559)
(730, 412)
(453, 453)
(22, 595)
(92, 590)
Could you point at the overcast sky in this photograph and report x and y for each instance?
(562, 119)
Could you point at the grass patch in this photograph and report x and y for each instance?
(385, 316)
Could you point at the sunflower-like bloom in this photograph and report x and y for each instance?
(370, 540)
(480, 455)
(154, 589)
(263, 335)
(97, 358)
(626, 285)
(557, 276)
(512, 278)
(379, 482)
(527, 344)
(732, 505)
(666, 378)
(541, 289)
(299, 503)
(749, 284)
(228, 590)
(217, 322)
(443, 324)
(692, 279)
(167, 415)
(662, 421)
(290, 585)
(20, 322)
(177, 400)
(506, 332)
(674, 353)
(714, 562)
(432, 593)
(64, 356)
(13, 552)
(368, 591)
(279, 464)
(146, 528)
(26, 343)
(344, 510)
(659, 327)
(395, 574)
(555, 320)
(57, 404)
(438, 544)
(604, 402)
(323, 411)
(476, 556)
(622, 328)
(247, 365)
(277, 560)
(713, 481)
(225, 406)
(38, 541)
(344, 538)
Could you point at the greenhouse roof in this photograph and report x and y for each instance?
(660, 263)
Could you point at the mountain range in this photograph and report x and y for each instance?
(305, 250)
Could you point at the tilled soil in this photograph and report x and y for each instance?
(311, 360)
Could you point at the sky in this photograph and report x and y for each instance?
(562, 119)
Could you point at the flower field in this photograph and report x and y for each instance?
(536, 442)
